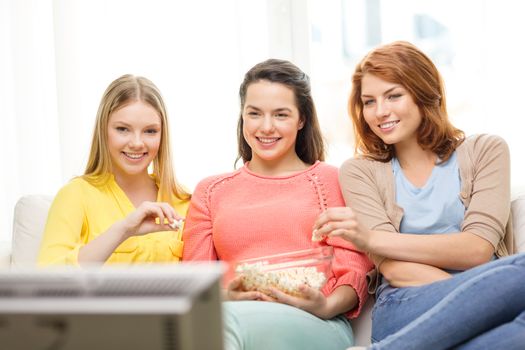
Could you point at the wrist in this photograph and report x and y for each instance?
(374, 242)
(123, 230)
(328, 309)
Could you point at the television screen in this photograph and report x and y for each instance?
(168, 307)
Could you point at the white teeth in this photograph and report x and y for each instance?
(387, 125)
(267, 140)
(134, 155)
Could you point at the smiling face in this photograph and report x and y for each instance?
(134, 134)
(390, 111)
(270, 123)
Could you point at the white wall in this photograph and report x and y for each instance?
(58, 56)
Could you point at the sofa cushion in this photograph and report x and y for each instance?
(28, 226)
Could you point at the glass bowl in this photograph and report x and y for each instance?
(286, 271)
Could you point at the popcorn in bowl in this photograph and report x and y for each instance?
(287, 271)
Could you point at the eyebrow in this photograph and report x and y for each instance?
(384, 93)
(275, 110)
(129, 125)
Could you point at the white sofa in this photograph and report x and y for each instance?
(31, 213)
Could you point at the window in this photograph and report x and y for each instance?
(476, 45)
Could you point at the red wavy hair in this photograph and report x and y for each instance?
(402, 63)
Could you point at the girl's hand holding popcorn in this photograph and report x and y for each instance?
(151, 217)
(342, 222)
(235, 291)
(312, 301)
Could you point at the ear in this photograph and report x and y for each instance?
(301, 124)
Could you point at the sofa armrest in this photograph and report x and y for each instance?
(28, 225)
(518, 222)
(5, 255)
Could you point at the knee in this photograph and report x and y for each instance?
(519, 259)
(521, 318)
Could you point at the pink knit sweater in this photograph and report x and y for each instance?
(243, 215)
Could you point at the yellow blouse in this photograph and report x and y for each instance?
(80, 212)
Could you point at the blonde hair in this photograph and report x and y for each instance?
(129, 88)
(402, 63)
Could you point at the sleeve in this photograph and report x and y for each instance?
(198, 229)
(489, 208)
(61, 240)
(349, 266)
(362, 194)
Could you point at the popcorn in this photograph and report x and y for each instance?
(261, 277)
(316, 237)
(177, 224)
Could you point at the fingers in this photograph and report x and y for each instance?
(234, 292)
(284, 298)
(334, 214)
(311, 300)
(235, 283)
(336, 228)
(309, 292)
(167, 216)
(252, 295)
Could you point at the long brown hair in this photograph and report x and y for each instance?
(402, 63)
(129, 88)
(309, 145)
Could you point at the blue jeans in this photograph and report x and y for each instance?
(261, 325)
(481, 308)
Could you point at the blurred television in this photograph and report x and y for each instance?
(159, 307)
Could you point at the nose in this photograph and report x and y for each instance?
(136, 141)
(267, 124)
(382, 109)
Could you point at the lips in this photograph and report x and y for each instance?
(388, 125)
(268, 140)
(135, 156)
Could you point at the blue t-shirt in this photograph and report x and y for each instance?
(434, 208)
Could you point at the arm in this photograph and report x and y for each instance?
(147, 218)
(63, 241)
(456, 251)
(483, 227)
(360, 189)
(342, 299)
(408, 274)
(199, 246)
(198, 229)
(349, 269)
(342, 222)
(345, 291)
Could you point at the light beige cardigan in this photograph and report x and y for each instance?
(484, 167)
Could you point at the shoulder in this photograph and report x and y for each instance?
(325, 169)
(75, 187)
(483, 141)
(209, 184)
(321, 173)
(480, 146)
(72, 195)
(361, 165)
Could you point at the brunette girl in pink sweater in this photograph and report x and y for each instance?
(269, 206)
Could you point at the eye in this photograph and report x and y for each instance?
(121, 129)
(252, 114)
(394, 96)
(151, 131)
(368, 102)
(281, 115)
